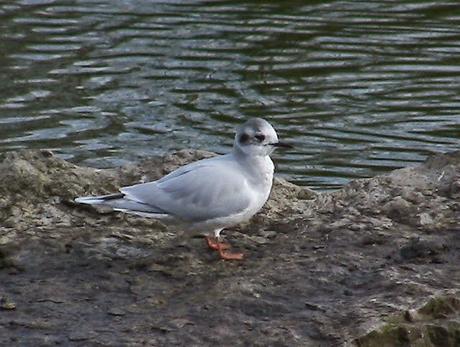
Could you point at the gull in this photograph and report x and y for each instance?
(210, 194)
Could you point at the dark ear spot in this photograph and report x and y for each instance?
(244, 138)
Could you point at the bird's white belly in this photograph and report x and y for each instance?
(234, 219)
(258, 189)
(260, 195)
(257, 202)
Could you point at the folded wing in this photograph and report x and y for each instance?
(195, 193)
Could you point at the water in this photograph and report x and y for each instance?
(359, 87)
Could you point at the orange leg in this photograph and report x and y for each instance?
(215, 245)
(222, 248)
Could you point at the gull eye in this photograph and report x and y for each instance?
(244, 138)
(260, 137)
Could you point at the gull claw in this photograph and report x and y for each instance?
(222, 247)
(230, 256)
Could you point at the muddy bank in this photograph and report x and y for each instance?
(375, 262)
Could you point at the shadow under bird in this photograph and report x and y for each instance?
(210, 194)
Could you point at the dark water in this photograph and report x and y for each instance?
(360, 87)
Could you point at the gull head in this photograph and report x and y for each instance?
(256, 137)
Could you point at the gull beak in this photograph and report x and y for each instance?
(281, 145)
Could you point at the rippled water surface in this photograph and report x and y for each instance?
(359, 87)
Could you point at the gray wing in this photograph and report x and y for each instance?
(118, 202)
(211, 189)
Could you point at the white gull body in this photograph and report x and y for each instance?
(209, 194)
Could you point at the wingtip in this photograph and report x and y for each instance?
(90, 200)
(79, 200)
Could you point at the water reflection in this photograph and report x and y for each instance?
(359, 87)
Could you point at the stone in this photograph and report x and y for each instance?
(372, 264)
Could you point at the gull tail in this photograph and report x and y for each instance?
(120, 202)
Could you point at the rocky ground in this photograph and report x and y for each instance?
(373, 264)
